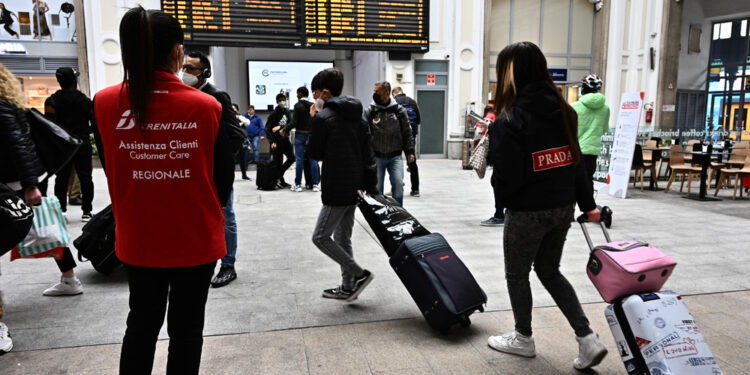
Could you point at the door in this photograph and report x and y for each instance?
(431, 86)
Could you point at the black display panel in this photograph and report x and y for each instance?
(330, 24)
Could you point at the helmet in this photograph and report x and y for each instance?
(593, 82)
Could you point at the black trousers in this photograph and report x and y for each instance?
(186, 289)
(283, 148)
(82, 162)
(9, 30)
(241, 158)
(413, 174)
(589, 161)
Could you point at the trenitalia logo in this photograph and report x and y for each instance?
(126, 122)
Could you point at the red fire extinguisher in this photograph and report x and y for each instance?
(649, 112)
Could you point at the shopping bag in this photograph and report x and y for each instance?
(15, 218)
(48, 230)
(56, 253)
(478, 159)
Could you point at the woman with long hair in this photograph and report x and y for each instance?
(6, 18)
(40, 10)
(539, 177)
(169, 172)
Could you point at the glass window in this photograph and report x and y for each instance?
(430, 66)
(729, 48)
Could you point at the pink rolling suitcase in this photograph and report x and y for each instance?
(622, 268)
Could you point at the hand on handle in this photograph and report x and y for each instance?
(592, 216)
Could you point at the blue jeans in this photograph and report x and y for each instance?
(300, 140)
(256, 150)
(395, 168)
(230, 232)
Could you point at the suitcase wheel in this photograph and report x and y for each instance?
(465, 322)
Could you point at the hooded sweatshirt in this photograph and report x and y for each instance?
(391, 132)
(593, 122)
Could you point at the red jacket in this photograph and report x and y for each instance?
(160, 180)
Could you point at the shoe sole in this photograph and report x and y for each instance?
(511, 352)
(360, 289)
(597, 360)
(490, 225)
(63, 294)
(336, 298)
(6, 350)
(225, 283)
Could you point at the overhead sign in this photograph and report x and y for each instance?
(331, 24)
(558, 75)
(623, 146)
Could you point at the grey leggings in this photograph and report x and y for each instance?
(537, 237)
(339, 221)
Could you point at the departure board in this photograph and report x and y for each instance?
(387, 25)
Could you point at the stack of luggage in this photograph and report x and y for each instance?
(653, 330)
(439, 282)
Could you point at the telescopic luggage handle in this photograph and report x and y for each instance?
(582, 220)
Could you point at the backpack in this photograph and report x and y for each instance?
(411, 113)
(97, 242)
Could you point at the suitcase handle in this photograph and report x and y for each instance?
(582, 220)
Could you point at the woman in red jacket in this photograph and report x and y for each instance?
(160, 143)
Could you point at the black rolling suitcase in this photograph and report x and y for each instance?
(439, 282)
(267, 175)
(97, 242)
(391, 223)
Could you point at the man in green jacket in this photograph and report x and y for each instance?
(593, 121)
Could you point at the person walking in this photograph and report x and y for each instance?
(196, 70)
(255, 131)
(391, 135)
(21, 169)
(341, 140)
(498, 219)
(169, 172)
(71, 109)
(7, 20)
(244, 154)
(412, 112)
(539, 177)
(593, 121)
(301, 122)
(279, 138)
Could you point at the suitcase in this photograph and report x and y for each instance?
(97, 242)
(622, 268)
(443, 288)
(467, 147)
(267, 175)
(391, 223)
(656, 335)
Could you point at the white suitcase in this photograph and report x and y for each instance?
(656, 335)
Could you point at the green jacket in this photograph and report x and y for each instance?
(593, 122)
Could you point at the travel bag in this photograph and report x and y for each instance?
(390, 222)
(97, 242)
(655, 334)
(267, 175)
(622, 268)
(439, 282)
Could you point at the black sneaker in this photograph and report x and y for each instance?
(225, 276)
(414, 193)
(86, 216)
(245, 177)
(337, 293)
(359, 285)
(75, 201)
(283, 184)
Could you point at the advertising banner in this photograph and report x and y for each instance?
(623, 145)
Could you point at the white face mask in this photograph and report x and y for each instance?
(282, 104)
(319, 103)
(189, 79)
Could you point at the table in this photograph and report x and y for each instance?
(656, 154)
(705, 162)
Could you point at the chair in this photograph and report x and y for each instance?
(648, 154)
(738, 175)
(736, 160)
(639, 165)
(678, 166)
(689, 147)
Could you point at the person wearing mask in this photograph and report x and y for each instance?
(412, 112)
(539, 177)
(341, 140)
(244, 153)
(279, 138)
(196, 70)
(301, 122)
(71, 109)
(391, 135)
(593, 121)
(169, 172)
(255, 131)
(5, 18)
(21, 169)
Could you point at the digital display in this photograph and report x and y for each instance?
(266, 79)
(330, 24)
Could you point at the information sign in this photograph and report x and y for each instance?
(623, 146)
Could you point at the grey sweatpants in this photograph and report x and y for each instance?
(338, 221)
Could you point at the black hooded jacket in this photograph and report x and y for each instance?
(72, 111)
(531, 153)
(18, 159)
(340, 138)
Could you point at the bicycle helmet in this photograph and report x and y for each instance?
(592, 82)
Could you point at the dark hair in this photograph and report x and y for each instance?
(520, 64)
(398, 90)
(251, 107)
(304, 91)
(487, 110)
(331, 79)
(384, 84)
(237, 107)
(204, 61)
(280, 96)
(146, 41)
(65, 82)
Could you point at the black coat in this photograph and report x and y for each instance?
(72, 111)
(223, 158)
(530, 151)
(340, 138)
(279, 117)
(18, 159)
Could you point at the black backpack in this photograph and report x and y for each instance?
(237, 136)
(16, 218)
(97, 242)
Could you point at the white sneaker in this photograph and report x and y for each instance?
(513, 343)
(6, 344)
(591, 351)
(65, 288)
(296, 188)
(316, 188)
